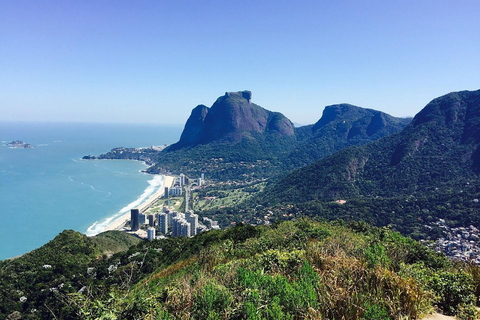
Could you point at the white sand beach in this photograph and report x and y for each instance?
(119, 222)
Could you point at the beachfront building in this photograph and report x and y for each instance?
(134, 223)
(192, 219)
(176, 191)
(166, 192)
(151, 234)
(171, 215)
(180, 226)
(212, 224)
(185, 229)
(142, 219)
(163, 223)
(151, 220)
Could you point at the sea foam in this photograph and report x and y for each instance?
(154, 185)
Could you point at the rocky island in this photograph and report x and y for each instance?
(17, 144)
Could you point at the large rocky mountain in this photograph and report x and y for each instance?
(231, 118)
(438, 151)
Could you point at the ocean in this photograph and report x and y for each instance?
(49, 188)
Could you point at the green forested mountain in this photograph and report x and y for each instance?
(290, 270)
(341, 126)
(439, 151)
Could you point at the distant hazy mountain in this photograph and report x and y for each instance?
(231, 118)
(439, 149)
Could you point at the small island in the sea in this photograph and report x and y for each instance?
(20, 144)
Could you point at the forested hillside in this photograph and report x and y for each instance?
(438, 151)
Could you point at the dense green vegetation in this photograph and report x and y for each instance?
(439, 150)
(250, 159)
(341, 126)
(111, 242)
(406, 214)
(36, 283)
(302, 269)
(427, 171)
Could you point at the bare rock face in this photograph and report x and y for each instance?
(194, 126)
(231, 118)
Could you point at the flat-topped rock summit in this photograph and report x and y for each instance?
(231, 118)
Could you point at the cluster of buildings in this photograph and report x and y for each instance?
(181, 182)
(459, 243)
(178, 224)
(173, 223)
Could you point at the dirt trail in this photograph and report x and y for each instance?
(438, 316)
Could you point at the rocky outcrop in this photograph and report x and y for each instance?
(231, 118)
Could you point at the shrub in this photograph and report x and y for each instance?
(375, 312)
(375, 254)
(282, 261)
(454, 289)
(212, 301)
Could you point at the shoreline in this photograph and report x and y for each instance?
(119, 223)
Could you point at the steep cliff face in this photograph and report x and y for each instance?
(231, 118)
(194, 126)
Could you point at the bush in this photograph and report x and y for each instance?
(375, 312)
(212, 302)
(454, 289)
(282, 261)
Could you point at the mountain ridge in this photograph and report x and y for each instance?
(438, 149)
(236, 139)
(340, 126)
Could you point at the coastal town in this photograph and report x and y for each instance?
(167, 213)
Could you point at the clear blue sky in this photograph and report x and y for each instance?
(153, 61)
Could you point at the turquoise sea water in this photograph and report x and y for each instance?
(49, 188)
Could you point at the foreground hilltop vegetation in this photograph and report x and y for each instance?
(34, 285)
(290, 270)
